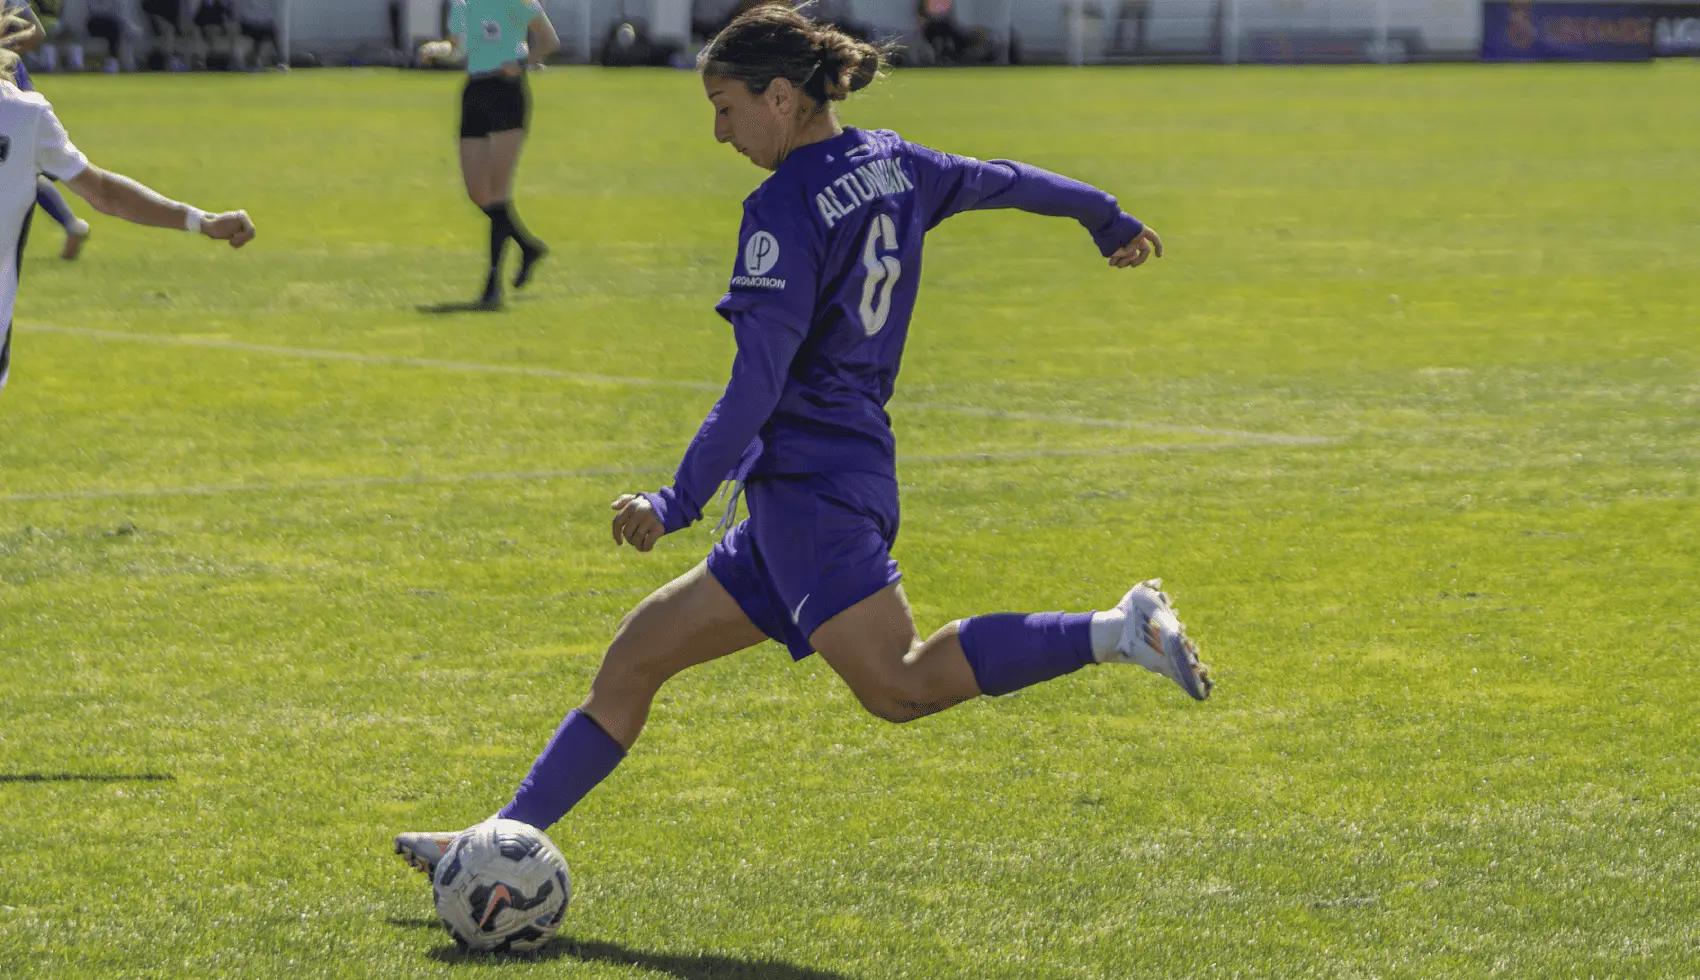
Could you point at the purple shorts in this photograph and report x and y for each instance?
(813, 546)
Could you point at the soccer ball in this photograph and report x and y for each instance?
(502, 886)
(436, 54)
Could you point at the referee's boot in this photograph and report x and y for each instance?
(492, 298)
(529, 255)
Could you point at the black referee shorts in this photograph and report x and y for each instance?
(494, 104)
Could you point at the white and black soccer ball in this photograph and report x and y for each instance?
(502, 886)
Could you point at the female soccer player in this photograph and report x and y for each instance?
(820, 299)
(22, 33)
(502, 40)
(36, 143)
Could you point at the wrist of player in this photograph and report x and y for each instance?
(195, 220)
(667, 510)
(1114, 236)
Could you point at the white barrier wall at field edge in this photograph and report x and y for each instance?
(1079, 31)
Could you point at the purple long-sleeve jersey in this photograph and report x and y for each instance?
(825, 281)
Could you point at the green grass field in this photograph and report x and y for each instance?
(1408, 420)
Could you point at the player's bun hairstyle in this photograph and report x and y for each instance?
(774, 41)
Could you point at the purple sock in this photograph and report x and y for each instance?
(1010, 651)
(579, 756)
(50, 200)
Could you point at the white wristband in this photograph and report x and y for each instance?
(192, 218)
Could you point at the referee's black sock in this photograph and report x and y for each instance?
(501, 229)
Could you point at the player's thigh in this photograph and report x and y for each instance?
(866, 643)
(475, 166)
(505, 148)
(690, 620)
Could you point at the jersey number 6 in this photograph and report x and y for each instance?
(883, 270)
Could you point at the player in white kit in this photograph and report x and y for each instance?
(32, 143)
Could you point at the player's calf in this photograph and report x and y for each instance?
(1011, 651)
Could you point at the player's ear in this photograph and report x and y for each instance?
(781, 96)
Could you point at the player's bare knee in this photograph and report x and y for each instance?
(900, 695)
(888, 708)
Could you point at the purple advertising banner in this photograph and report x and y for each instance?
(1676, 31)
(1532, 30)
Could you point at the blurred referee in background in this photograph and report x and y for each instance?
(503, 39)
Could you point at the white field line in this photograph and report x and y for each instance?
(423, 479)
(589, 378)
(340, 483)
(1238, 436)
(355, 357)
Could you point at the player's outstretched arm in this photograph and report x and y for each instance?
(954, 184)
(121, 197)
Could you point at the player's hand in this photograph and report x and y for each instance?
(513, 69)
(1134, 253)
(635, 522)
(232, 226)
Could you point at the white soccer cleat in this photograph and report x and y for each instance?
(422, 850)
(1154, 638)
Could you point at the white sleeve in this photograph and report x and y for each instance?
(55, 154)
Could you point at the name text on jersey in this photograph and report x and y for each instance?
(872, 180)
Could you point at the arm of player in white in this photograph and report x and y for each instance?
(121, 197)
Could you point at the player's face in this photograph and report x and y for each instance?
(758, 126)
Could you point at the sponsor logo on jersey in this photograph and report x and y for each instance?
(869, 182)
(761, 253)
(758, 282)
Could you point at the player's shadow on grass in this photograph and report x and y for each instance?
(438, 309)
(684, 966)
(86, 777)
